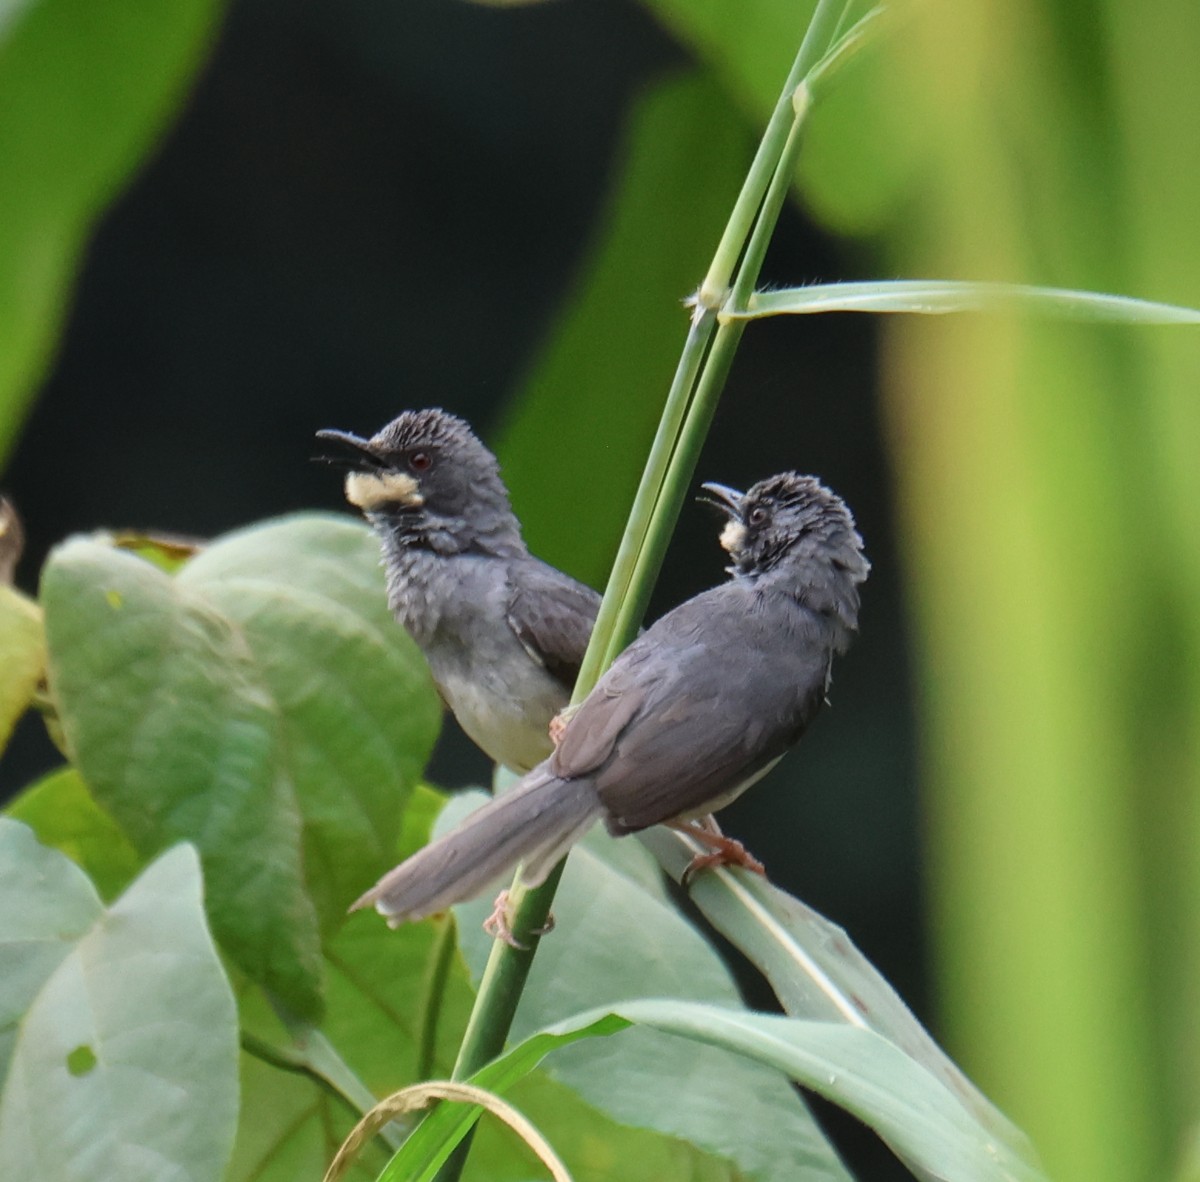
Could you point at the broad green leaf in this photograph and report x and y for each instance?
(939, 296)
(815, 970)
(578, 433)
(84, 92)
(922, 1121)
(167, 720)
(38, 927)
(261, 704)
(600, 907)
(22, 657)
(63, 815)
(856, 1069)
(125, 1056)
(357, 709)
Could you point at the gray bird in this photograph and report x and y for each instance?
(504, 634)
(696, 710)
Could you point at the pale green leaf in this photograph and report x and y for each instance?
(939, 296)
(856, 1069)
(815, 969)
(125, 1056)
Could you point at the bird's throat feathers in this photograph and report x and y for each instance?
(733, 536)
(377, 490)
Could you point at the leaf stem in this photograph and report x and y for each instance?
(433, 992)
(328, 1073)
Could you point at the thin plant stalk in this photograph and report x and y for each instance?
(717, 365)
(433, 992)
(508, 966)
(704, 364)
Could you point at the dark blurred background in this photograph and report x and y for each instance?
(377, 206)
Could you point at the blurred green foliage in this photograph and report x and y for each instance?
(1052, 556)
(72, 128)
(596, 389)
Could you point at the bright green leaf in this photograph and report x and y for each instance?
(63, 814)
(124, 1049)
(913, 1112)
(856, 1069)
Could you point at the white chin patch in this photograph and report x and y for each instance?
(733, 535)
(369, 490)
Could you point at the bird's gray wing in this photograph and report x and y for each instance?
(705, 701)
(552, 616)
(604, 715)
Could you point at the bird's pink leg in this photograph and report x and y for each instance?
(726, 851)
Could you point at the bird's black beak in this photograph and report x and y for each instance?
(344, 450)
(727, 499)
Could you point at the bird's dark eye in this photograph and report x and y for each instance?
(420, 461)
(756, 516)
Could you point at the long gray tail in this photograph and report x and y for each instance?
(534, 823)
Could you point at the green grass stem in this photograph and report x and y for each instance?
(704, 364)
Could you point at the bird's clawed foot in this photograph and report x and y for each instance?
(498, 925)
(726, 851)
(558, 724)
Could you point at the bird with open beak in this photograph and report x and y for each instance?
(698, 708)
(503, 632)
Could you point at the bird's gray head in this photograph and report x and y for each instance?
(796, 533)
(426, 480)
